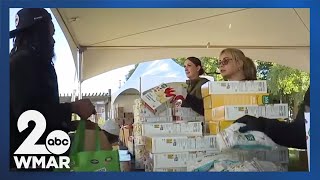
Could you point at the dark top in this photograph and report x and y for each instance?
(34, 86)
(194, 98)
(290, 134)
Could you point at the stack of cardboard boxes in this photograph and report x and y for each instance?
(125, 121)
(226, 101)
(166, 137)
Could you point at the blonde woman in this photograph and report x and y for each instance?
(235, 66)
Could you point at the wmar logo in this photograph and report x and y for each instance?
(57, 142)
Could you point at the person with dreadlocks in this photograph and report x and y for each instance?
(33, 80)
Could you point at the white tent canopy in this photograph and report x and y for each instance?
(113, 38)
(150, 74)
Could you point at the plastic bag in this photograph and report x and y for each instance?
(231, 138)
(255, 166)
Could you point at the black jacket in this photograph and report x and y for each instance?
(194, 98)
(33, 86)
(290, 134)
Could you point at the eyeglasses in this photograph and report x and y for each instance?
(224, 62)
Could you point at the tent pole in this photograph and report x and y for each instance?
(80, 71)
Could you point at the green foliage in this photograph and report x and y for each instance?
(263, 69)
(285, 81)
(131, 71)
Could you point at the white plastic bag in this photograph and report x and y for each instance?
(231, 138)
(255, 166)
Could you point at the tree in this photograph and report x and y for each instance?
(263, 69)
(131, 71)
(285, 84)
(288, 83)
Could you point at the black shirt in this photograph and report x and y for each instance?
(34, 86)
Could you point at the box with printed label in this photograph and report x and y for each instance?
(184, 169)
(218, 100)
(173, 160)
(167, 144)
(272, 111)
(184, 112)
(188, 119)
(216, 126)
(143, 111)
(234, 87)
(156, 97)
(184, 128)
(141, 119)
(205, 89)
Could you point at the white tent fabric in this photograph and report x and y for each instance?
(150, 74)
(113, 38)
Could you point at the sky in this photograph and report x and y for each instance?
(65, 67)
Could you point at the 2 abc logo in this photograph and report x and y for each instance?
(57, 142)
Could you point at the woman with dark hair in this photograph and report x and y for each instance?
(194, 70)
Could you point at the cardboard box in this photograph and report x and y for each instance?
(140, 119)
(167, 144)
(174, 160)
(128, 121)
(274, 111)
(217, 100)
(184, 112)
(188, 119)
(119, 112)
(127, 132)
(150, 169)
(144, 111)
(234, 87)
(128, 115)
(216, 126)
(157, 97)
(184, 128)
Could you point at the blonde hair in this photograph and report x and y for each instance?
(249, 68)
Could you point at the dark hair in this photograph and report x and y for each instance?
(37, 38)
(197, 62)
